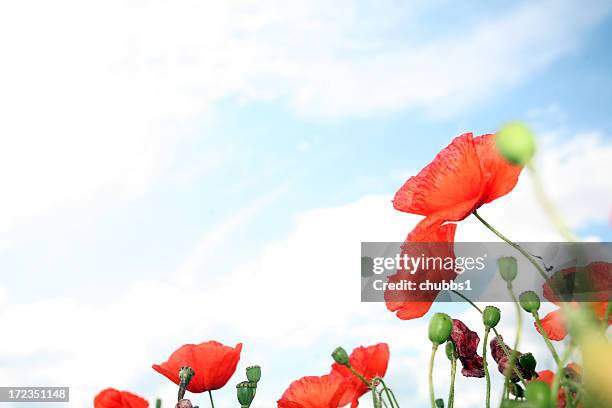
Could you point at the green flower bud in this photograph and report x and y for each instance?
(439, 403)
(491, 316)
(516, 143)
(537, 394)
(253, 374)
(451, 351)
(440, 327)
(528, 362)
(507, 268)
(340, 356)
(530, 302)
(245, 391)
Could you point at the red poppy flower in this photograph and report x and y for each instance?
(432, 243)
(370, 362)
(213, 363)
(112, 398)
(598, 276)
(572, 371)
(314, 392)
(465, 175)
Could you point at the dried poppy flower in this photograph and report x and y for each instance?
(368, 361)
(314, 392)
(502, 360)
(598, 275)
(212, 362)
(112, 398)
(466, 174)
(466, 343)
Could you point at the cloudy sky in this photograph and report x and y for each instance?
(173, 172)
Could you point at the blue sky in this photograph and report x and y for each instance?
(191, 142)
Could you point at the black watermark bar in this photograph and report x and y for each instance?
(454, 271)
(34, 394)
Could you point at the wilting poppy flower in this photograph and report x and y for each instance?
(370, 362)
(212, 362)
(595, 279)
(314, 392)
(433, 244)
(463, 176)
(466, 344)
(112, 398)
(572, 371)
(503, 361)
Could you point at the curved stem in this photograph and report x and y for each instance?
(550, 209)
(212, 403)
(550, 346)
(486, 368)
(387, 391)
(432, 398)
(361, 377)
(451, 391)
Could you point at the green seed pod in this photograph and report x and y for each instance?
(245, 391)
(507, 268)
(491, 316)
(440, 327)
(537, 394)
(340, 356)
(528, 362)
(530, 301)
(451, 351)
(439, 403)
(253, 374)
(516, 143)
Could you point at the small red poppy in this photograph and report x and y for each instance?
(314, 392)
(213, 363)
(368, 361)
(112, 398)
(463, 176)
(598, 274)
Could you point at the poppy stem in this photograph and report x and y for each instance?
(361, 377)
(538, 323)
(511, 362)
(387, 391)
(212, 403)
(451, 391)
(486, 368)
(561, 372)
(432, 398)
(503, 345)
(514, 245)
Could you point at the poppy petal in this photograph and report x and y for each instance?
(554, 325)
(499, 176)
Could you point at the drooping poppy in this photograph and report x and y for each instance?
(368, 361)
(466, 343)
(213, 363)
(112, 398)
(435, 244)
(572, 371)
(503, 361)
(597, 276)
(314, 392)
(466, 174)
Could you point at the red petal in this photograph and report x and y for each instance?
(313, 392)
(112, 398)
(450, 181)
(499, 176)
(554, 326)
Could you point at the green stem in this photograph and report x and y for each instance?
(511, 362)
(503, 345)
(515, 246)
(607, 314)
(388, 392)
(550, 209)
(559, 373)
(486, 368)
(212, 403)
(361, 377)
(550, 346)
(158, 403)
(451, 391)
(432, 398)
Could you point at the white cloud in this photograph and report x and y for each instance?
(296, 297)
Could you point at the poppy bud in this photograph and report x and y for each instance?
(451, 351)
(440, 327)
(253, 374)
(537, 394)
(184, 403)
(439, 403)
(528, 362)
(516, 143)
(507, 268)
(245, 392)
(340, 356)
(530, 302)
(490, 316)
